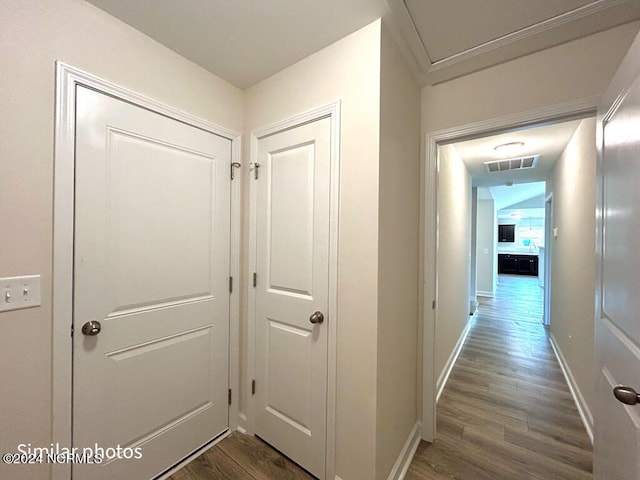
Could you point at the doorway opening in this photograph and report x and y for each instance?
(437, 260)
(510, 248)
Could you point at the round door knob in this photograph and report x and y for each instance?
(626, 395)
(316, 317)
(91, 328)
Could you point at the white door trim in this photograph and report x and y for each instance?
(552, 114)
(332, 111)
(548, 247)
(67, 79)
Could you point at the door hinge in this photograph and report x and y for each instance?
(234, 165)
(230, 284)
(256, 166)
(72, 330)
(253, 387)
(433, 304)
(255, 279)
(229, 396)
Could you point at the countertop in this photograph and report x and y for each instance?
(513, 252)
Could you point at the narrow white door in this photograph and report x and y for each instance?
(292, 257)
(151, 266)
(617, 424)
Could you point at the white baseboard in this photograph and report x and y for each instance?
(195, 454)
(583, 408)
(241, 423)
(403, 461)
(446, 371)
(482, 293)
(409, 448)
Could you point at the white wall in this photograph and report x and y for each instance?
(454, 244)
(397, 256)
(348, 70)
(573, 264)
(473, 277)
(33, 34)
(486, 239)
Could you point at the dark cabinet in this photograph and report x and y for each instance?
(507, 264)
(528, 265)
(507, 233)
(518, 264)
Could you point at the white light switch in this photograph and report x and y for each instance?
(19, 292)
(485, 251)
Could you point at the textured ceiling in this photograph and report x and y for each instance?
(452, 27)
(547, 141)
(505, 197)
(455, 37)
(245, 41)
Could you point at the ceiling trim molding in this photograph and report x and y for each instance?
(524, 33)
(506, 47)
(406, 26)
(532, 30)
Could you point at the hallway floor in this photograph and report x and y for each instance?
(506, 412)
(241, 457)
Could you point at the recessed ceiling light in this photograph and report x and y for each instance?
(509, 149)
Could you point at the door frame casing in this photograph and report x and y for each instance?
(67, 79)
(332, 111)
(576, 109)
(548, 247)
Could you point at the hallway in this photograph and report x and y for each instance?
(506, 412)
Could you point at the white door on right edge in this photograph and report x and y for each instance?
(617, 418)
(292, 291)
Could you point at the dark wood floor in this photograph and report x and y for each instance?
(506, 412)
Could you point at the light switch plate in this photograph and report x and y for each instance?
(19, 292)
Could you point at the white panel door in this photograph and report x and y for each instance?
(292, 257)
(617, 424)
(151, 266)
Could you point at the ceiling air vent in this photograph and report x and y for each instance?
(520, 163)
